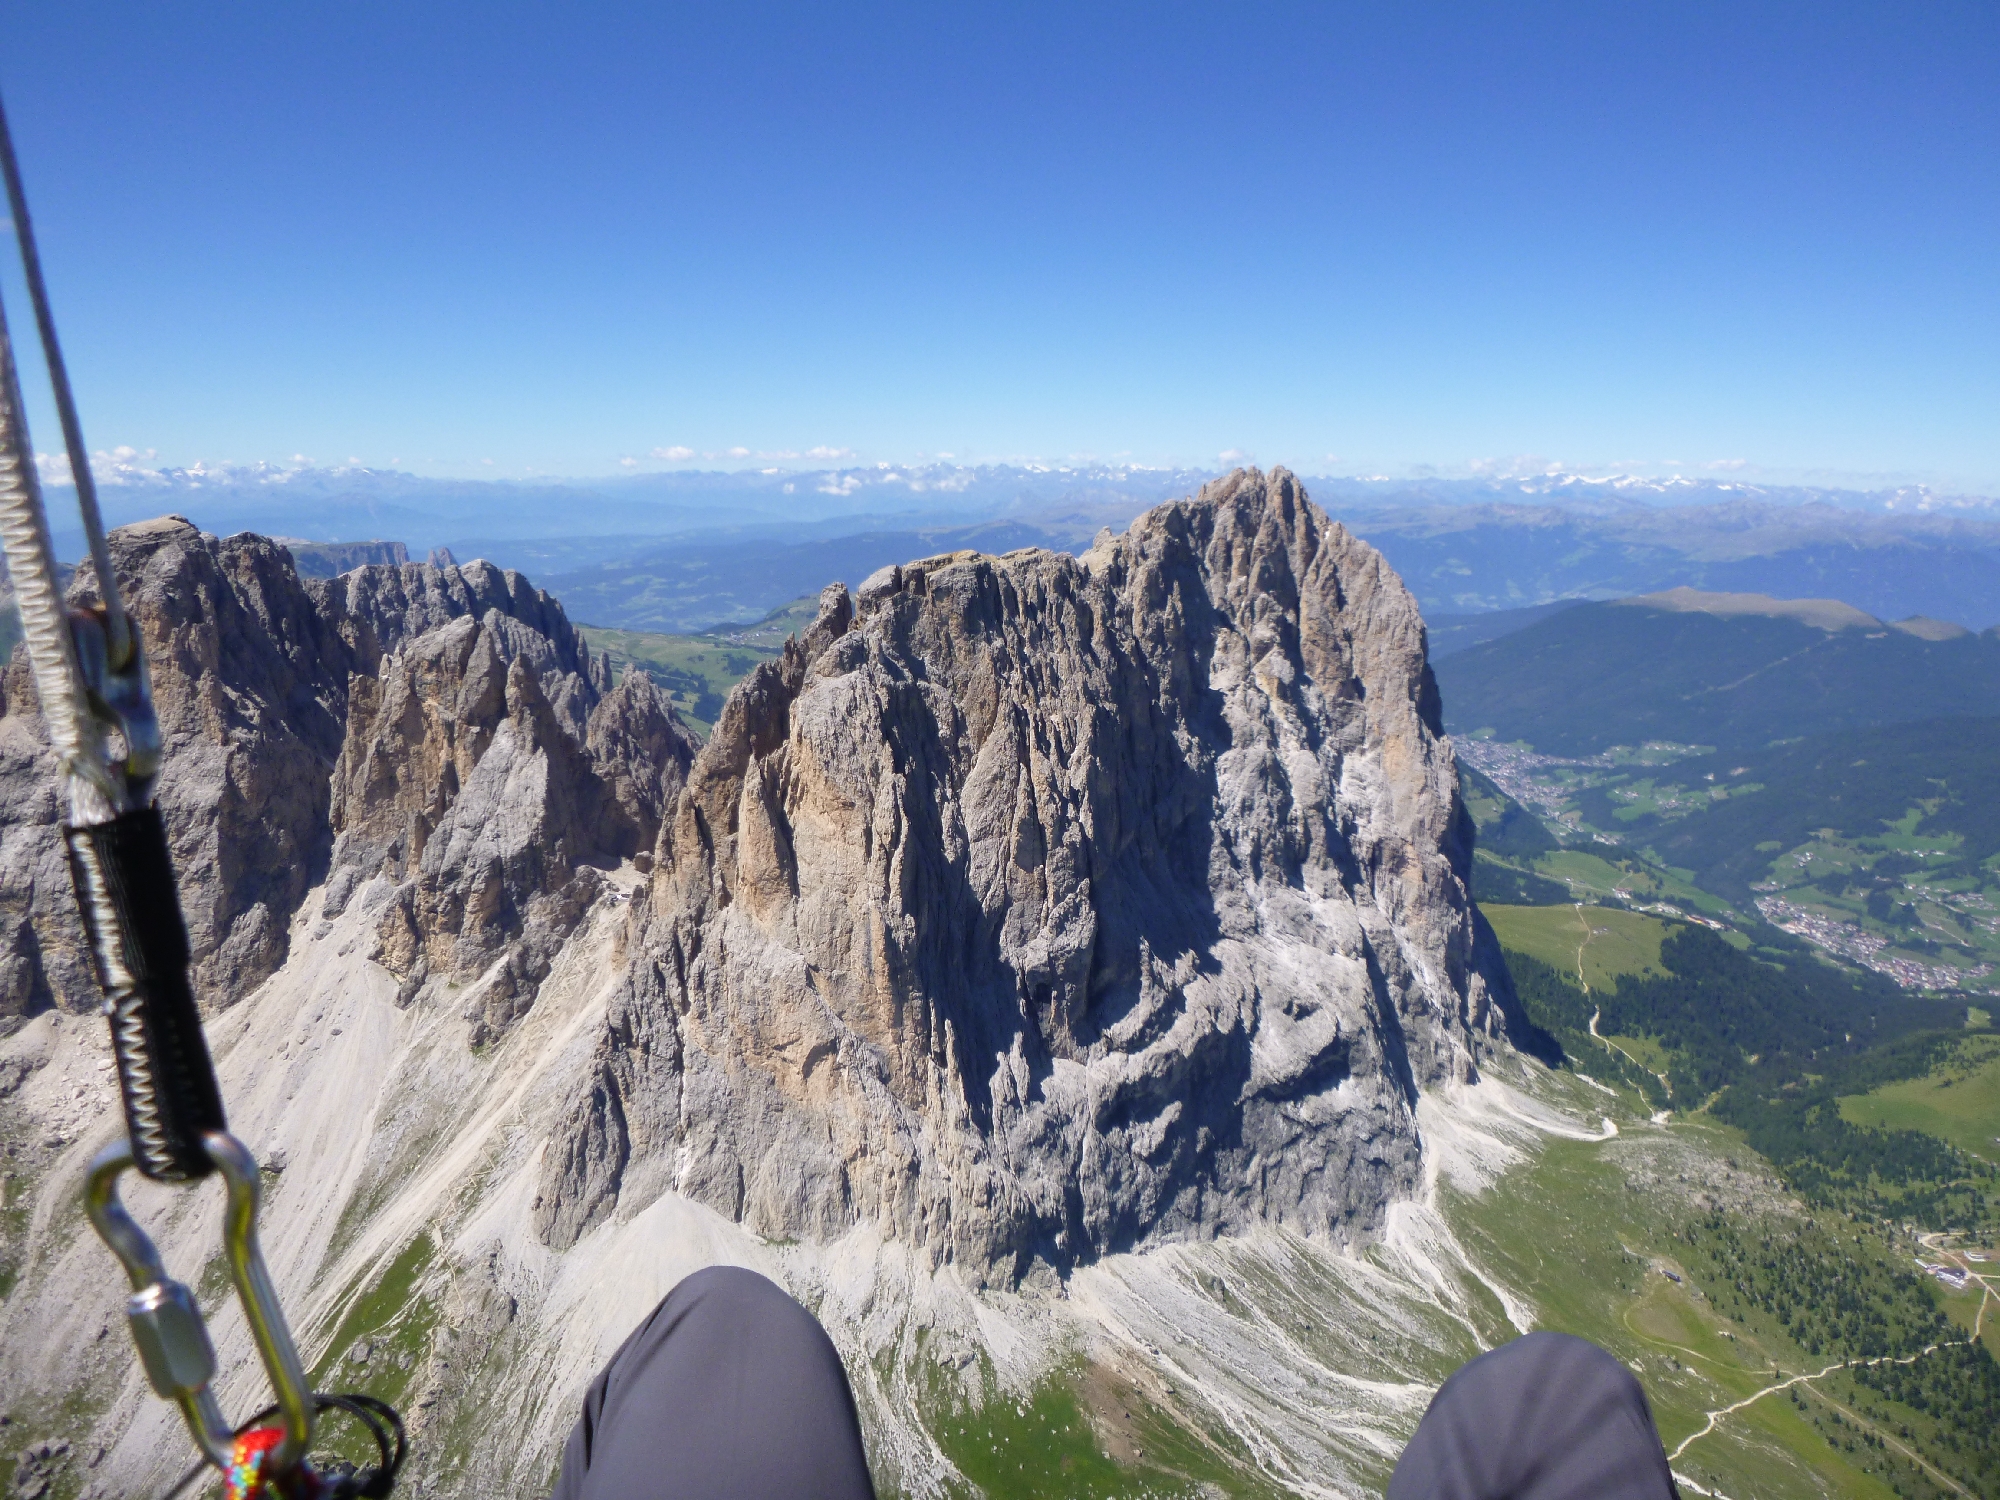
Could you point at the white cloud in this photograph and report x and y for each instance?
(109, 465)
(739, 453)
(1232, 456)
(1730, 465)
(674, 455)
(628, 463)
(1520, 466)
(823, 451)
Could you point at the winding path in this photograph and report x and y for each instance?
(1714, 1418)
(1588, 933)
(1719, 1413)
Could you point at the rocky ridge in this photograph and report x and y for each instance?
(1037, 907)
(1027, 911)
(303, 718)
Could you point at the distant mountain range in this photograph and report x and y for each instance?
(682, 551)
(1465, 559)
(1736, 676)
(590, 520)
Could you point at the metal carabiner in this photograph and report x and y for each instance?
(121, 703)
(167, 1326)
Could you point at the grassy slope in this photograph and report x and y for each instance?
(1935, 784)
(1959, 1100)
(1838, 791)
(1886, 837)
(1588, 1230)
(1083, 1435)
(1606, 674)
(1579, 1233)
(697, 671)
(1593, 943)
(1585, 1231)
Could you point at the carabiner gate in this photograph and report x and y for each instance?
(167, 1326)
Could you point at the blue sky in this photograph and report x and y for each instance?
(1350, 238)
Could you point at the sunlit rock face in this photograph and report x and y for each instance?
(1036, 906)
(1027, 909)
(462, 782)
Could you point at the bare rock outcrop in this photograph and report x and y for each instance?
(1034, 907)
(43, 961)
(641, 751)
(329, 559)
(462, 781)
(369, 707)
(380, 607)
(250, 687)
(505, 874)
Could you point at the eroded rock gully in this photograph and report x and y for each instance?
(1033, 907)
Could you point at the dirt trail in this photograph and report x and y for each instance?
(1590, 932)
(1806, 1380)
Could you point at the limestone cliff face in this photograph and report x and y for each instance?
(332, 728)
(1034, 907)
(465, 784)
(250, 686)
(42, 955)
(381, 607)
(1027, 908)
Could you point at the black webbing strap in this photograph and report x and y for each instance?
(131, 911)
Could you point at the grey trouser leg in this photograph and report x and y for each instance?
(1547, 1417)
(728, 1391)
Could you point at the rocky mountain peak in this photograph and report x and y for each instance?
(381, 606)
(1037, 906)
(1026, 910)
(327, 729)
